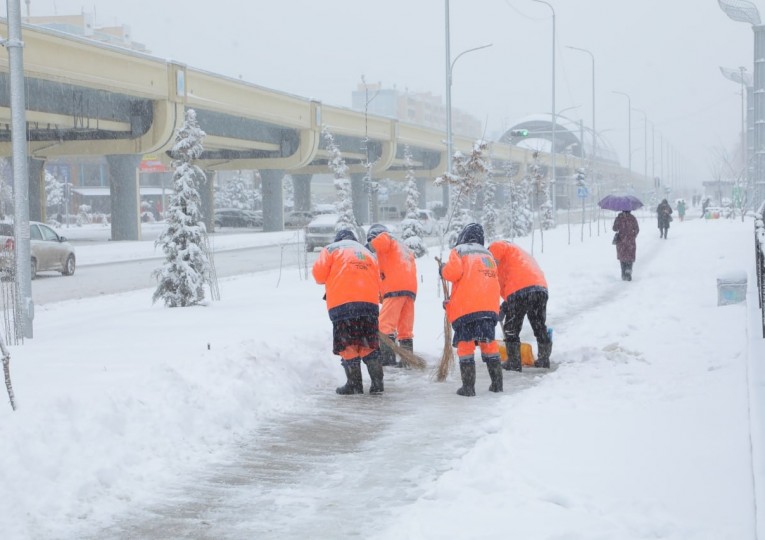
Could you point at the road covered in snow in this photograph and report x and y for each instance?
(221, 421)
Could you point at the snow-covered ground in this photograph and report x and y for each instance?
(649, 425)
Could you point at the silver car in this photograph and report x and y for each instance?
(49, 250)
(321, 232)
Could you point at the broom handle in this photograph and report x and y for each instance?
(444, 283)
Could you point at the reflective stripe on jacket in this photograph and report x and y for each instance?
(398, 270)
(475, 293)
(351, 278)
(517, 268)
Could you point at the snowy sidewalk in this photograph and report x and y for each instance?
(642, 431)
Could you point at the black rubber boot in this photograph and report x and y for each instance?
(513, 356)
(353, 373)
(467, 371)
(388, 356)
(374, 367)
(407, 344)
(543, 360)
(495, 372)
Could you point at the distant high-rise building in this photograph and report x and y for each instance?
(84, 25)
(421, 108)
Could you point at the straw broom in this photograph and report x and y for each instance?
(446, 364)
(408, 358)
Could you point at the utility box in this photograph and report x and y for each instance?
(731, 288)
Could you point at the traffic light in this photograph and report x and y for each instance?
(519, 132)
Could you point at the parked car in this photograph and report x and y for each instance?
(237, 217)
(320, 232)
(429, 222)
(48, 250)
(298, 218)
(324, 208)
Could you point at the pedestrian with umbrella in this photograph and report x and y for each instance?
(626, 228)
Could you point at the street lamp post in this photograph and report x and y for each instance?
(747, 12)
(24, 308)
(629, 129)
(594, 137)
(449, 68)
(740, 76)
(552, 150)
(645, 141)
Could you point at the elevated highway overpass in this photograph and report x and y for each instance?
(87, 98)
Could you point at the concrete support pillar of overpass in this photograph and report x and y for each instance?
(273, 200)
(360, 197)
(36, 189)
(301, 186)
(445, 195)
(36, 168)
(125, 196)
(422, 188)
(206, 193)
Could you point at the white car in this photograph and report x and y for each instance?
(321, 232)
(429, 222)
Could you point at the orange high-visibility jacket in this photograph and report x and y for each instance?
(398, 270)
(517, 269)
(475, 293)
(351, 277)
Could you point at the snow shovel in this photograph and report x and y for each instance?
(527, 353)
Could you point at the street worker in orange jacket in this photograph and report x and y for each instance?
(398, 274)
(351, 278)
(473, 306)
(524, 294)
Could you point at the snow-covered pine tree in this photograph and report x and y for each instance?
(468, 174)
(546, 218)
(54, 193)
(490, 220)
(288, 191)
(237, 192)
(187, 267)
(412, 230)
(344, 203)
(519, 220)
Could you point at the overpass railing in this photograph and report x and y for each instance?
(759, 253)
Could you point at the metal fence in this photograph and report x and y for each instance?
(759, 253)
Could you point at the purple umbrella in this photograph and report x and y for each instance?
(620, 203)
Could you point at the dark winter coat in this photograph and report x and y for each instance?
(664, 214)
(627, 227)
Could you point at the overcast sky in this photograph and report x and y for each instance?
(665, 54)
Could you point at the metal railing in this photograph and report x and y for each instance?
(759, 253)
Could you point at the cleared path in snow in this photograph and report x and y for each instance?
(333, 470)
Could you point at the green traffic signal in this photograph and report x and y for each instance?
(520, 133)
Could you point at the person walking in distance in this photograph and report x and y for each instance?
(663, 216)
(351, 278)
(523, 288)
(398, 288)
(473, 306)
(627, 229)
